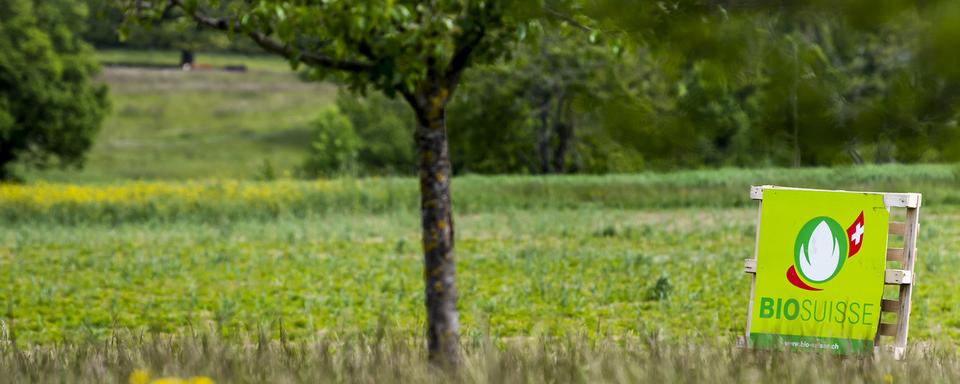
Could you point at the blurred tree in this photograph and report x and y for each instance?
(49, 108)
(385, 128)
(522, 115)
(106, 29)
(415, 49)
(559, 75)
(334, 147)
(805, 83)
(488, 121)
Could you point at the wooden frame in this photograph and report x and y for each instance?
(902, 276)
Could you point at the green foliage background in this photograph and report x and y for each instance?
(49, 110)
(694, 86)
(764, 87)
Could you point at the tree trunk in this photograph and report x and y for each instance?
(563, 128)
(439, 274)
(6, 160)
(543, 135)
(794, 115)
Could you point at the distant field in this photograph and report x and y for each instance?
(170, 124)
(258, 63)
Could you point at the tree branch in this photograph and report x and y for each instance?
(415, 103)
(567, 18)
(274, 46)
(460, 58)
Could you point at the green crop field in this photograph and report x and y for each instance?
(595, 259)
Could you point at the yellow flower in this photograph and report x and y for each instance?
(168, 380)
(139, 376)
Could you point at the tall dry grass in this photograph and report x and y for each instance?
(386, 358)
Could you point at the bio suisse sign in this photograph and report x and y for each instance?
(821, 257)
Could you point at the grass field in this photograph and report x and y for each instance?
(537, 255)
(171, 124)
(589, 260)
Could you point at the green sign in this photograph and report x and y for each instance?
(821, 257)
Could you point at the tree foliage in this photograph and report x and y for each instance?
(525, 114)
(105, 28)
(376, 134)
(49, 108)
(385, 127)
(793, 86)
(334, 147)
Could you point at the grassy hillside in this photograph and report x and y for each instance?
(170, 124)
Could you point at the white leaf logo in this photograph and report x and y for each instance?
(819, 254)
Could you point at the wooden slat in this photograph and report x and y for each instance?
(750, 265)
(753, 276)
(895, 254)
(889, 305)
(903, 200)
(906, 291)
(887, 329)
(897, 228)
(898, 277)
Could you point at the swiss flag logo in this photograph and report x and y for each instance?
(855, 235)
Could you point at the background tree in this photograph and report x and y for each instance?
(334, 147)
(418, 50)
(49, 108)
(385, 127)
(105, 28)
(525, 114)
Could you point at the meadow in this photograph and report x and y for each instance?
(173, 124)
(578, 256)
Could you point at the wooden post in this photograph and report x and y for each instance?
(750, 265)
(904, 277)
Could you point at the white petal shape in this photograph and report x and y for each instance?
(820, 258)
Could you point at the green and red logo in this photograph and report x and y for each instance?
(821, 247)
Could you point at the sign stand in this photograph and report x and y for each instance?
(899, 268)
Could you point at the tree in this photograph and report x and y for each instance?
(105, 28)
(49, 109)
(385, 127)
(414, 49)
(334, 147)
(524, 114)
